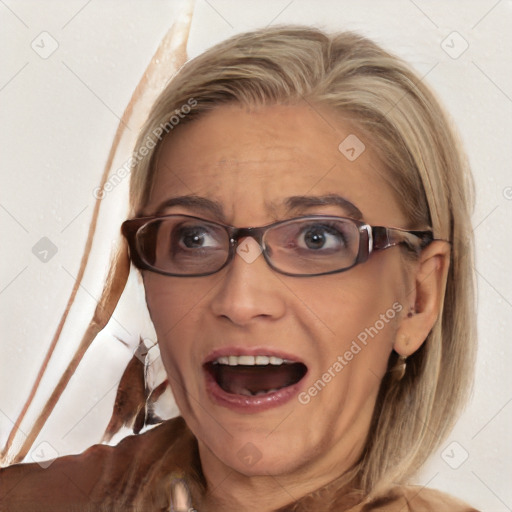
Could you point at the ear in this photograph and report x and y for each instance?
(425, 301)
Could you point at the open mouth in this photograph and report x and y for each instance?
(254, 375)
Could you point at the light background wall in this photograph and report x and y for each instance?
(59, 114)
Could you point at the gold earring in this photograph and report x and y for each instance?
(398, 370)
(404, 339)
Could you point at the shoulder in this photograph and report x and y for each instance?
(99, 472)
(424, 499)
(412, 498)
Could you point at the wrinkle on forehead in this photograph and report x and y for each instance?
(250, 161)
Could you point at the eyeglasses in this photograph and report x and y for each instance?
(186, 246)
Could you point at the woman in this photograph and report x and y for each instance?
(318, 357)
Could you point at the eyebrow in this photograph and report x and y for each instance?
(292, 205)
(193, 202)
(299, 203)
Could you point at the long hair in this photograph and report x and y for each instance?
(424, 166)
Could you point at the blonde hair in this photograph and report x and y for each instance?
(424, 166)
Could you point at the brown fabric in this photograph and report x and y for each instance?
(136, 474)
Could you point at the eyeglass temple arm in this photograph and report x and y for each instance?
(388, 237)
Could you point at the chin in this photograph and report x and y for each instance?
(258, 457)
(253, 447)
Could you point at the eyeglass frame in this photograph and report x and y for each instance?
(371, 239)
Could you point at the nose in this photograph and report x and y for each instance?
(249, 289)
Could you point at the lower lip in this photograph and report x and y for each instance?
(249, 404)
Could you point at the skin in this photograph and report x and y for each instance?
(249, 161)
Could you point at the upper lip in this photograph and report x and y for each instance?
(245, 351)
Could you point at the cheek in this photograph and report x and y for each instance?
(355, 313)
(171, 300)
(175, 306)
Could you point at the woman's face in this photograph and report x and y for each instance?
(341, 327)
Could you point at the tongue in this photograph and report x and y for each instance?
(255, 379)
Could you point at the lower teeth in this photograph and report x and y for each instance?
(247, 392)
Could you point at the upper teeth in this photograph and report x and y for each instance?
(250, 360)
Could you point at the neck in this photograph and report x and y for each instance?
(229, 490)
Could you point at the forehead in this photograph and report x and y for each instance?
(251, 162)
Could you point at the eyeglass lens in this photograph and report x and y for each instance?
(188, 246)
